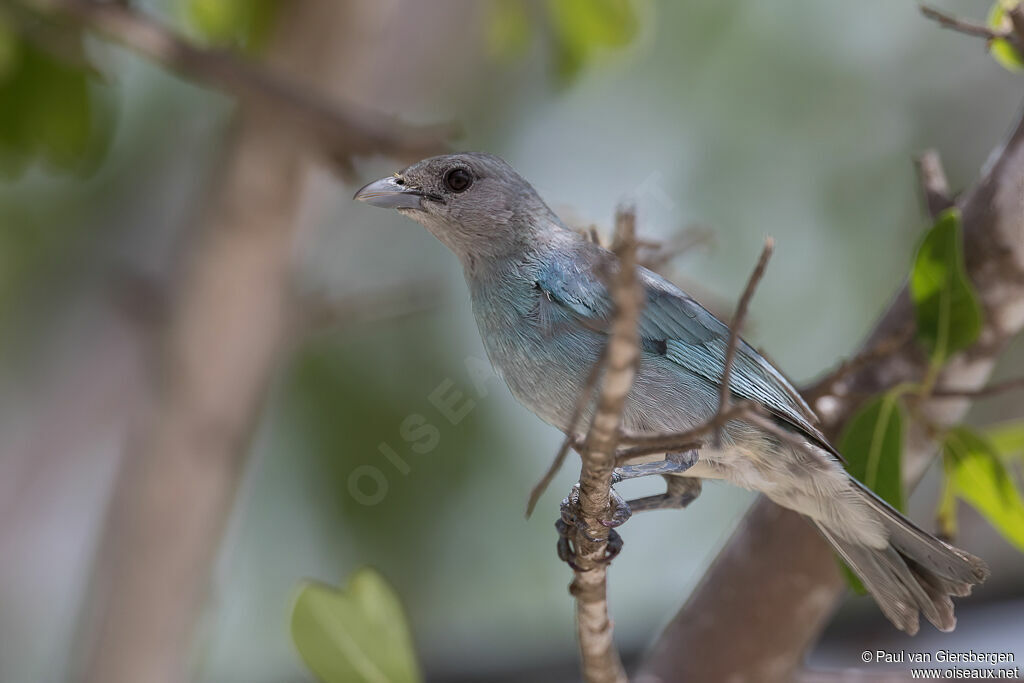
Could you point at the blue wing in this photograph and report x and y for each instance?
(675, 325)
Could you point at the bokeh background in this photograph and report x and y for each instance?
(743, 119)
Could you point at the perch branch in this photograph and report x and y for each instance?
(600, 661)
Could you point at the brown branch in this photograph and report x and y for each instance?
(724, 391)
(228, 322)
(600, 661)
(671, 441)
(934, 185)
(964, 26)
(775, 559)
(336, 131)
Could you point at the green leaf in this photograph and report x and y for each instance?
(233, 23)
(872, 444)
(508, 29)
(47, 110)
(358, 634)
(978, 476)
(582, 27)
(948, 313)
(1003, 50)
(1008, 439)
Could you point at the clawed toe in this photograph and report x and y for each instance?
(570, 523)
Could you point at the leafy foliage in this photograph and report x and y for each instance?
(582, 27)
(872, 445)
(1002, 50)
(578, 30)
(244, 24)
(47, 109)
(976, 474)
(357, 634)
(948, 314)
(1008, 440)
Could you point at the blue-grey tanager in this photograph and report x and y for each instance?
(542, 305)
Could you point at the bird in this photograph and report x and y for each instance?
(542, 304)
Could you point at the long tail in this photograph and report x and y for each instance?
(915, 572)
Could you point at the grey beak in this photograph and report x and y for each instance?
(389, 193)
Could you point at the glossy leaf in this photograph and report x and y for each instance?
(978, 476)
(948, 313)
(872, 444)
(355, 635)
(1002, 50)
(582, 27)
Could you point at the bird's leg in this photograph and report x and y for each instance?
(674, 463)
(681, 491)
(570, 522)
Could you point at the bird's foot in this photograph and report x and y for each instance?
(571, 523)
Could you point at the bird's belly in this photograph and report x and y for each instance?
(546, 376)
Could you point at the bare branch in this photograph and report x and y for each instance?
(964, 26)
(600, 661)
(336, 131)
(724, 392)
(934, 186)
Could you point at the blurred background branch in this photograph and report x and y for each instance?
(329, 129)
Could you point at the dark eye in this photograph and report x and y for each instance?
(458, 180)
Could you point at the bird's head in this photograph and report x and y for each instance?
(475, 203)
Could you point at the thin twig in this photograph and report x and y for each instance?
(934, 185)
(964, 26)
(599, 660)
(673, 441)
(316, 312)
(724, 392)
(337, 130)
(570, 440)
(656, 254)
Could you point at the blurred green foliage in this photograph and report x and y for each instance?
(976, 473)
(583, 27)
(872, 444)
(948, 313)
(1001, 50)
(243, 24)
(48, 110)
(577, 30)
(1008, 439)
(356, 634)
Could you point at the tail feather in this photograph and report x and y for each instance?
(915, 573)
